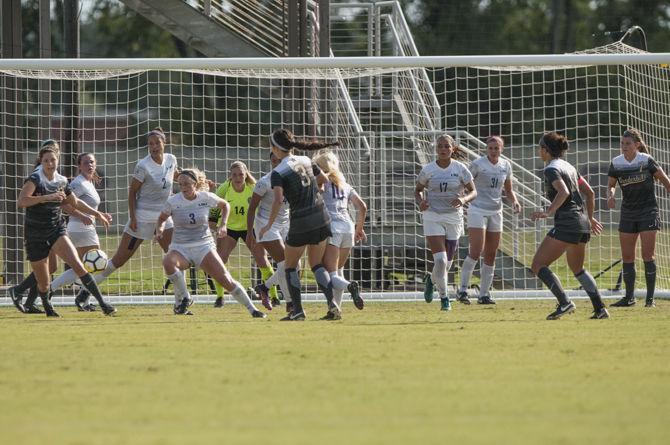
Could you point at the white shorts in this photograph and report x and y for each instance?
(342, 240)
(84, 238)
(194, 254)
(146, 230)
(276, 232)
(489, 220)
(449, 225)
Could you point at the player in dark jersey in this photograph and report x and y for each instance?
(572, 226)
(42, 195)
(297, 179)
(635, 170)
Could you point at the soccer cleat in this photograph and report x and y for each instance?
(107, 309)
(445, 305)
(90, 307)
(16, 299)
(83, 295)
(649, 302)
(463, 297)
(182, 308)
(333, 314)
(562, 310)
(600, 314)
(258, 314)
(32, 309)
(218, 302)
(299, 316)
(275, 301)
(428, 289)
(485, 299)
(48, 308)
(262, 290)
(356, 295)
(81, 304)
(624, 302)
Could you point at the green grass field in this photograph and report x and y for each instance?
(402, 373)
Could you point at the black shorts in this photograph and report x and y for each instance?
(38, 245)
(569, 237)
(312, 237)
(237, 234)
(626, 226)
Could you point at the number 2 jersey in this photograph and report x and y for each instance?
(337, 202)
(489, 180)
(156, 186)
(570, 216)
(190, 217)
(443, 185)
(636, 179)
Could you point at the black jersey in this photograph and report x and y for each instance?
(570, 216)
(636, 179)
(47, 216)
(307, 211)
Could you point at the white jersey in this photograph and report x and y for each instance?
(190, 217)
(85, 190)
(337, 203)
(443, 185)
(264, 190)
(489, 180)
(156, 186)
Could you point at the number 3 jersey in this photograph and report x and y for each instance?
(489, 179)
(156, 187)
(443, 185)
(337, 202)
(190, 217)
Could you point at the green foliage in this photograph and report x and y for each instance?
(402, 373)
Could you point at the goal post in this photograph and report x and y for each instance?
(386, 112)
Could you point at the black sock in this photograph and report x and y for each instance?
(650, 277)
(629, 279)
(26, 284)
(323, 280)
(589, 285)
(89, 283)
(293, 281)
(553, 283)
(32, 296)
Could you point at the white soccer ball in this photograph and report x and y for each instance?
(95, 260)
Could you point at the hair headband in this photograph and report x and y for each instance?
(273, 141)
(190, 174)
(158, 133)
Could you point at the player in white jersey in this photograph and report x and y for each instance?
(258, 215)
(337, 195)
(491, 175)
(442, 189)
(192, 243)
(150, 187)
(81, 227)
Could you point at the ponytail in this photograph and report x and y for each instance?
(284, 140)
(330, 165)
(556, 144)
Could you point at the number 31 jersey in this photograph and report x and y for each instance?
(489, 180)
(443, 185)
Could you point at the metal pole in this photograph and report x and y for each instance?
(71, 136)
(44, 84)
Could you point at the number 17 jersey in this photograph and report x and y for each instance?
(443, 185)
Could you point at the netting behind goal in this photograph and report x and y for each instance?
(386, 119)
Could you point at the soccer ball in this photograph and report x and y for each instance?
(95, 260)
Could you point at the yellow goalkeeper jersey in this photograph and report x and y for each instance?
(239, 205)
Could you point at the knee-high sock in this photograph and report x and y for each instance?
(67, 277)
(337, 292)
(589, 285)
(32, 296)
(486, 278)
(629, 279)
(91, 286)
(293, 281)
(338, 280)
(26, 284)
(439, 275)
(323, 280)
(466, 272)
(179, 284)
(279, 278)
(650, 278)
(242, 297)
(219, 289)
(554, 284)
(267, 272)
(102, 276)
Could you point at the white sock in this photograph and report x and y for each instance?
(275, 278)
(338, 281)
(283, 284)
(179, 282)
(466, 272)
(242, 297)
(487, 279)
(64, 279)
(439, 275)
(100, 277)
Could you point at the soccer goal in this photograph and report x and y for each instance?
(386, 112)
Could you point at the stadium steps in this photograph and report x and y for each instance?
(191, 25)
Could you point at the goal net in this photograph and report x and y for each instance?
(387, 114)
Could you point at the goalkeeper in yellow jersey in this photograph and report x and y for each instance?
(237, 190)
